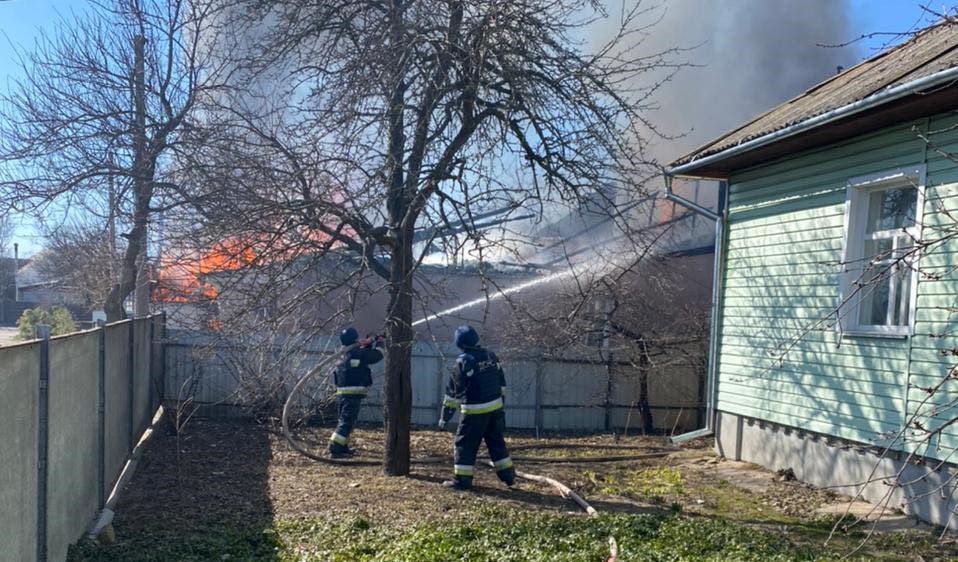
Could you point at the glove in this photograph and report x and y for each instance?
(441, 424)
(380, 342)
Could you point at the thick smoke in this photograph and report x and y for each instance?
(748, 56)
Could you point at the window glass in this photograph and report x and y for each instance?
(903, 281)
(882, 231)
(878, 249)
(874, 304)
(891, 208)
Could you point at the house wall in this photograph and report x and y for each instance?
(780, 357)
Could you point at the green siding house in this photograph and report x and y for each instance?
(835, 318)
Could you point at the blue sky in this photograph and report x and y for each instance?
(20, 21)
(880, 16)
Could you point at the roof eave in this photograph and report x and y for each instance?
(708, 163)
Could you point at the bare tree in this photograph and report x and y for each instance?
(387, 123)
(99, 115)
(81, 259)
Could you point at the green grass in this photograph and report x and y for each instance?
(651, 484)
(729, 501)
(486, 535)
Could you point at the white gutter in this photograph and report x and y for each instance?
(864, 104)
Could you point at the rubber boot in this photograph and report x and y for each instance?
(461, 484)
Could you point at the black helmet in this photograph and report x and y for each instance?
(466, 337)
(349, 336)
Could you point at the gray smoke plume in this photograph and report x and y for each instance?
(749, 56)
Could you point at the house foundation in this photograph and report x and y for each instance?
(845, 467)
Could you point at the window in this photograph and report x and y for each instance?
(879, 254)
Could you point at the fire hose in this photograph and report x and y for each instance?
(563, 490)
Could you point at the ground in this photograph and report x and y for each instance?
(237, 491)
(8, 336)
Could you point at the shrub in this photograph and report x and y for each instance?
(58, 318)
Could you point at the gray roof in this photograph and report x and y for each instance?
(930, 51)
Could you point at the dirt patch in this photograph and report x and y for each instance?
(217, 477)
(247, 474)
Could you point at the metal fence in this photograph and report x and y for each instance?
(73, 407)
(543, 393)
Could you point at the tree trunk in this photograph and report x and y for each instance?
(397, 411)
(398, 383)
(142, 192)
(141, 294)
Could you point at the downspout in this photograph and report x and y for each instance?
(712, 365)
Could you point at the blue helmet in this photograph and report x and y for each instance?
(466, 337)
(349, 336)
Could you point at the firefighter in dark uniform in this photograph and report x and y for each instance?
(476, 389)
(353, 380)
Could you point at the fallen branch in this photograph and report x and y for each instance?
(564, 491)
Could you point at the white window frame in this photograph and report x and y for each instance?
(856, 217)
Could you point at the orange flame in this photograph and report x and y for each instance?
(181, 275)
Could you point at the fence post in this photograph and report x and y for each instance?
(43, 413)
(131, 398)
(538, 400)
(607, 404)
(101, 415)
(441, 392)
(161, 394)
(150, 374)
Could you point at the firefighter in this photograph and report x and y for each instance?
(353, 380)
(476, 388)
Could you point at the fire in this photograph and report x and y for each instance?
(182, 275)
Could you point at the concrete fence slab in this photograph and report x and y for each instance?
(19, 377)
(141, 367)
(117, 407)
(71, 489)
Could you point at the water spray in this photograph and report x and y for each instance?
(568, 272)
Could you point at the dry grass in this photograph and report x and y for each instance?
(216, 471)
(218, 477)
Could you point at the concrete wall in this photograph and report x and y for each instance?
(73, 464)
(19, 377)
(73, 449)
(117, 397)
(844, 466)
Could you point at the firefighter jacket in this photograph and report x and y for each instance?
(477, 386)
(352, 375)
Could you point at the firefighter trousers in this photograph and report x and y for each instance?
(473, 430)
(348, 412)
